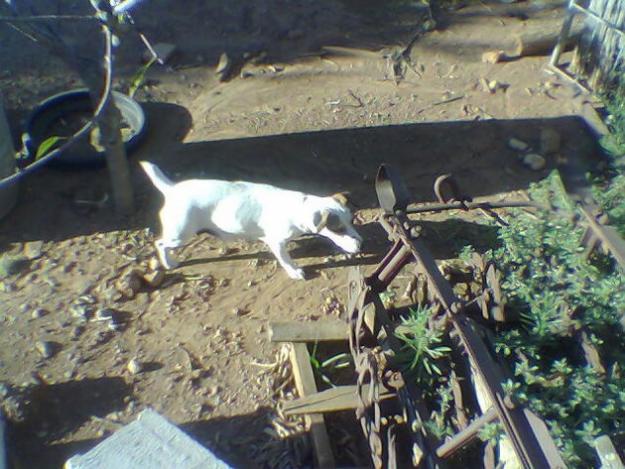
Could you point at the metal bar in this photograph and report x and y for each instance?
(460, 205)
(466, 436)
(416, 410)
(564, 35)
(607, 235)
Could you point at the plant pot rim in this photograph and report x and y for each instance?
(130, 109)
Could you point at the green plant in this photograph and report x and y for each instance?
(388, 297)
(324, 368)
(138, 79)
(421, 356)
(491, 432)
(559, 293)
(45, 146)
(610, 192)
(421, 343)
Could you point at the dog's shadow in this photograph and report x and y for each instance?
(311, 246)
(445, 239)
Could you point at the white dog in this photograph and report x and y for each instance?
(250, 211)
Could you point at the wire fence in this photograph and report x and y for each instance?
(600, 53)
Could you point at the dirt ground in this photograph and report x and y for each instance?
(312, 105)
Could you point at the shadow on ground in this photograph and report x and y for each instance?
(323, 162)
(44, 414)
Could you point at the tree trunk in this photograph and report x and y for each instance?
(111, 139)
(116, 161)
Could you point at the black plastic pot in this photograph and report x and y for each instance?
(53, 111)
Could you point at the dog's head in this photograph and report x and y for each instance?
(334, 221)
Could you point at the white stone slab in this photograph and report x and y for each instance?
(148, 442)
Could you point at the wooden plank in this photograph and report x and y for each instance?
(330, 400)
(607, 453)
(322, 331)
(305, 383)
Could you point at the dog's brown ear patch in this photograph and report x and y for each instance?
(342, 198)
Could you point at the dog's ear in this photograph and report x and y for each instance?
(320, 220)
(342, 198)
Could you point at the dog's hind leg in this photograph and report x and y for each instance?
(279, 250)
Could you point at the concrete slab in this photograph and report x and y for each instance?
(150, 441)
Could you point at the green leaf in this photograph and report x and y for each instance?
(139, 78)
(46, 146)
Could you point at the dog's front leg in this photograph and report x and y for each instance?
(162, 248)
(279, 250)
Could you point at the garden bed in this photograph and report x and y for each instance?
(510, 356)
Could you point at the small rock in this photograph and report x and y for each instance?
(45, 348)
(88, 299)
(33, 250)
(11, 265)
(129, 283)
(154, 264)
(134, 366)
(549, 141)
(518, 145)
(38, 313)
(223, 66)
(534, 161)
(103, 314)
(77, 332)
(4, 390)
(493, 85)
(240, 311)
(80, 310)
(485, 84)
(155, 278)
(493, 56)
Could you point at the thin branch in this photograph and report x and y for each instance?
(37, 18)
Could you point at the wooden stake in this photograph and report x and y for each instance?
(305, 383)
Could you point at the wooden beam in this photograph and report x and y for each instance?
(305, 383)
(466, 436)
(322, 331)
(607, 453)
(330, 400)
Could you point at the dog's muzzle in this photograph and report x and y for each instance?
(353, 247)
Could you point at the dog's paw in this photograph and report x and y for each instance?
(170, 264)
(297, 274)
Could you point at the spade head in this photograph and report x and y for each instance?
(391, 190)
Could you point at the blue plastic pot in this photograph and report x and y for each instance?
(69, 105)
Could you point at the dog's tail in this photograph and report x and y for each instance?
(160, 181)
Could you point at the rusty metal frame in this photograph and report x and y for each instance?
(528, 434)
